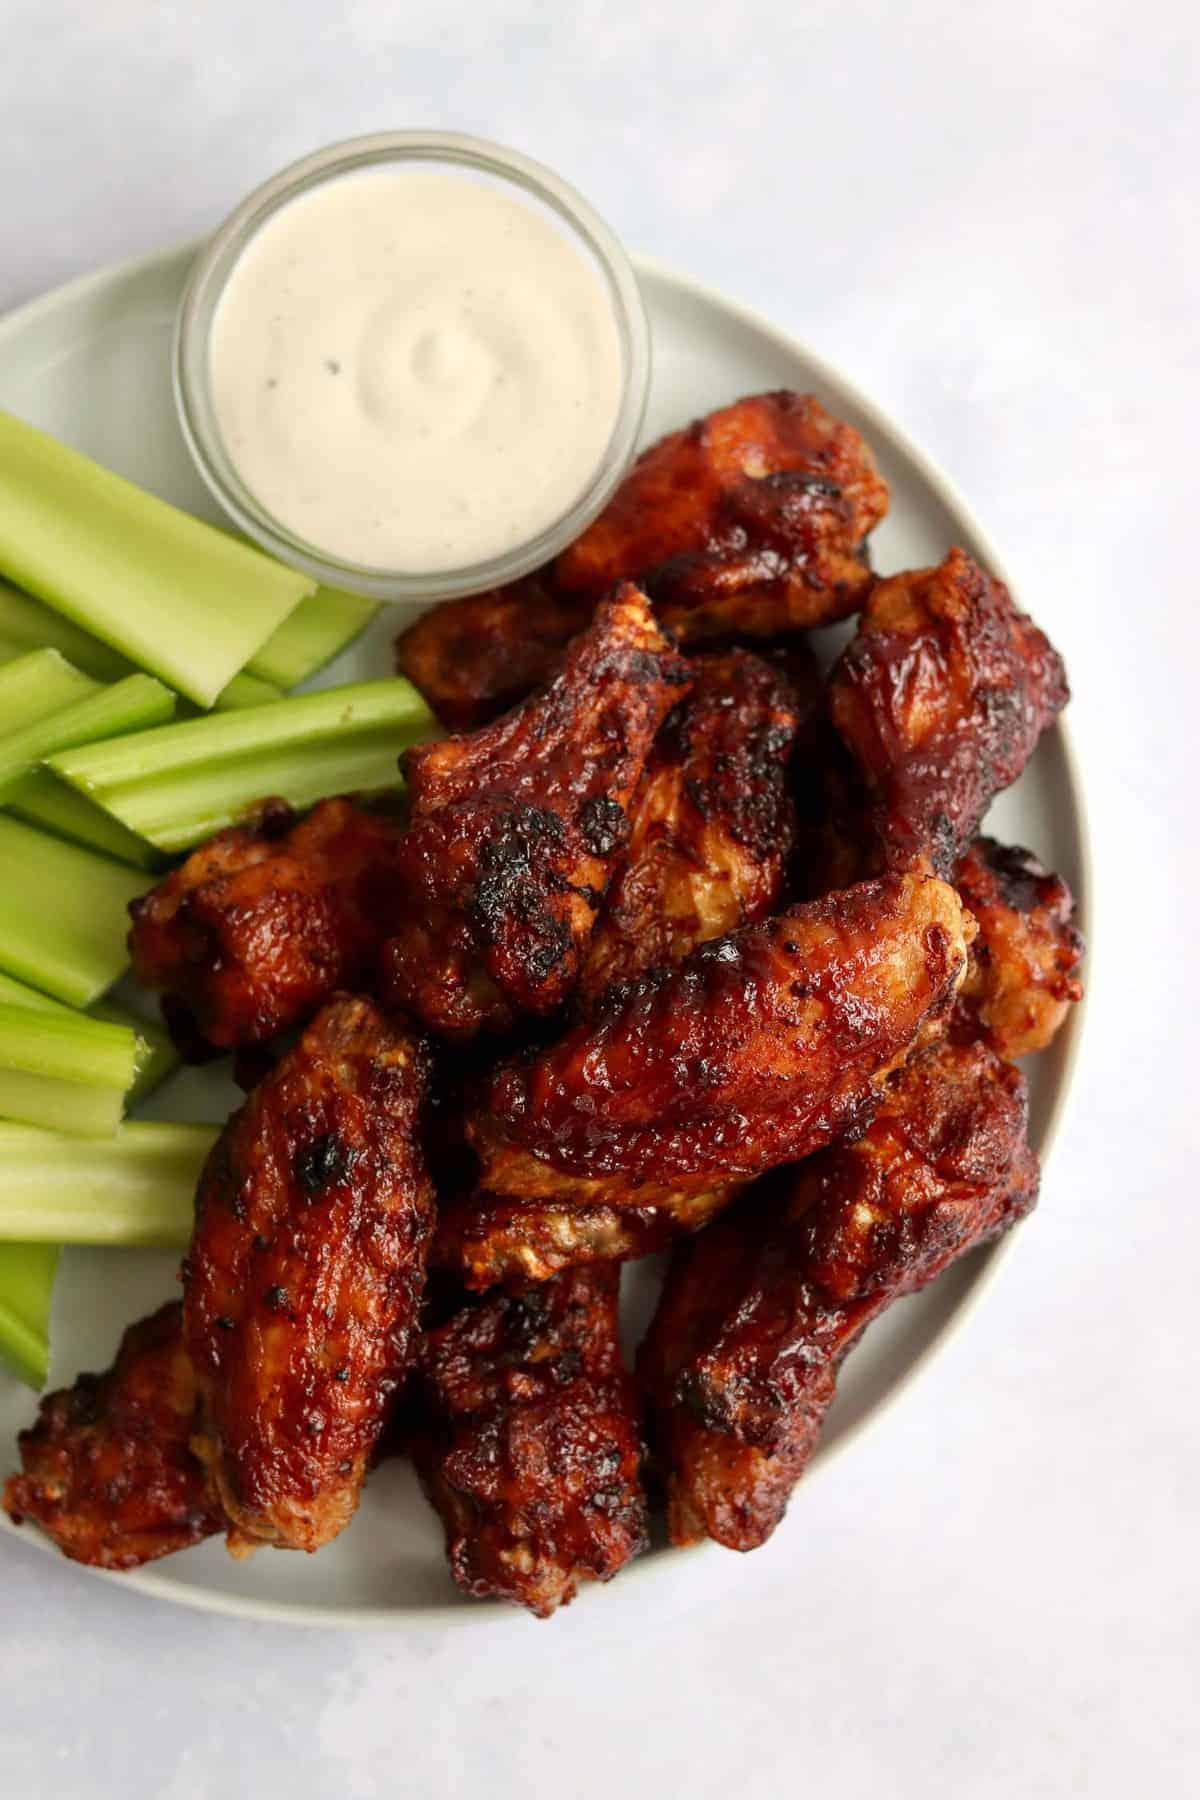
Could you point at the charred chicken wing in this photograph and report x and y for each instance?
(762, 1046)
(940, 698)
(749, 523)
(1022, 975)
(528, 1444)
(514, 832)
(741, 1361)
(304, 1277)
(263, 923)
(108, 1472)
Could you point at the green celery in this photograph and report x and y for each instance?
(27, 1274)
(246, 690)
(135, 1188)
(178, 784)
(132, 704)
(38, 684)
(156, 1055)
(66, 1071)
(180, 598)
(25, 624)
(313, 633)
(42, 799)
(63, 913)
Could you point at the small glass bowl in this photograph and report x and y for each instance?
(444, 149)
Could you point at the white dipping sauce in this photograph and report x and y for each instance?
(414, 370)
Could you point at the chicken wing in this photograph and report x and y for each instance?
(940, 698)
(748, 523)
(528, 1444)
(304, 1277)
(108, 1473)
(710, 825)
(741, 1360)
(514, 832)
(261, 924)
(1021, 979)
(762, 1046)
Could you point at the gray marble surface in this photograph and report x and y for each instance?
(987, 214)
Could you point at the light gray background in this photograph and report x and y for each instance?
(988, 215)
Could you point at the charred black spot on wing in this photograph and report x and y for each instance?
(603, 825)
(327, 1159)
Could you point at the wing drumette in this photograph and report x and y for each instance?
(748, 523)
(940, 698)
(263, 923)
(761, 1047)
(740, 1363)
(108, 1472)
(514, 832)
(528, 1444)
(304, 1277)
(1022, 975)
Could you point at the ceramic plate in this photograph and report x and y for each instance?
(90, 364)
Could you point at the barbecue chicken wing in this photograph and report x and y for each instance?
(940, 698)
(1021, 979)
(741, 1360)
(304, 1277)
(261, 924)
(108, 1473)
(762, 1046)
(514, 831)
(710, 824)
(528, 1444)
(748, 523)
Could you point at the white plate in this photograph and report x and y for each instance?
(90, 363)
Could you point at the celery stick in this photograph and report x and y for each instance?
(181, 599)
(135, 1188)
(67, 1048)
(129, 705)
(178, 784)
(246, 690)
(15, 993)
(42, 799)
(157, 1056)
(64, 1106)
(27, 1274)
(63, 914)
(36, 685)
(25, 624)
(314, 633)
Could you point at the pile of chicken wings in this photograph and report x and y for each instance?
(677, 944)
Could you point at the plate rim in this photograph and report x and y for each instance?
(149, 1582)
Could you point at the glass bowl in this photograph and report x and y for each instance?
(436, 149)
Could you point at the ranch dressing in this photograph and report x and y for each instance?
(414, 370)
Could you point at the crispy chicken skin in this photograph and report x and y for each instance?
(1022, 976)
(514, 832)
(748, 523)
(940, 698)
(740, 1363)
(261, 924)
(761, 1047)
(710, 826)
(108, 1473)
(528, 1443)
(305, 1274)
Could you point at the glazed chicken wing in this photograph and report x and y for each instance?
(514, 832)
(748, 523)
(528, 1444)
(262, 923)
(710, 825)
(941, 698)
(108, 1473)
(1022, 976)
(304, 1277)
(760, 1047)
(741, 1361)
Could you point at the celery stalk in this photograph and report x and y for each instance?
(63, 914)
(156, 1056)
(246, 690)
(42, 799)
(178, 784)
(135, 1188)
(176, 596)
(25, 624)
(316, 631)
(132, 704)
(66, 1071)
(64, 1106)
(36, 685)
(27, 1274)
